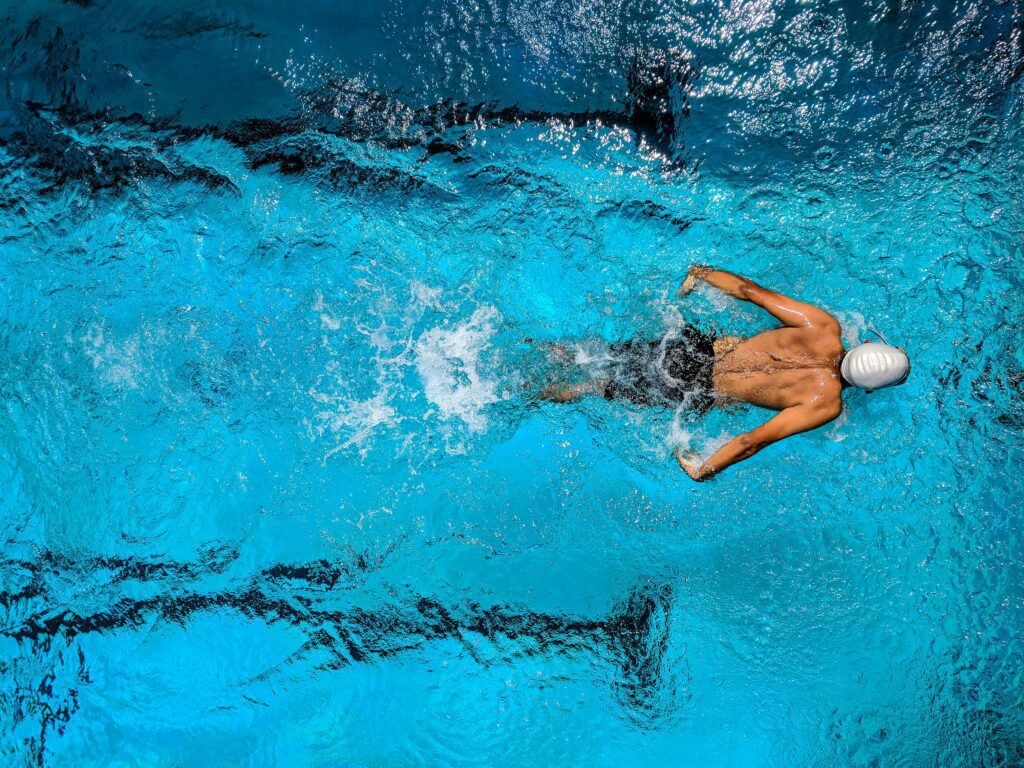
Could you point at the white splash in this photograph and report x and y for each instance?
(448, 362)
(836, 432)
(424, 295)
(591, 353)
(719, 300)
(118, 364)
(853, 325)
(352, 421)
(679, 437)
(328, 319)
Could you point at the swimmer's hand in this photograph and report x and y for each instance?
(697, 272)
(691, 463)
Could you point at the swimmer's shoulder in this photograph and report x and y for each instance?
(827, 401)
(825, 339)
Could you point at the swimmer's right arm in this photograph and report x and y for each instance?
(789, 311)
(791, 421)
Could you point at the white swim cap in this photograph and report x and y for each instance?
(873, 366)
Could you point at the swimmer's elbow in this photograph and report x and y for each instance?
(749, 445)
(831, 324)
(747, 289)
(821, 414)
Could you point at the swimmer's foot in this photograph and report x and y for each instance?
(561, 393)
(566, 393)
(560, 353)
(556, 351)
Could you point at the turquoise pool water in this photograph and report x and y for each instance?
(276, 280)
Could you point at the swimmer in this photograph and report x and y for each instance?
(799, 370)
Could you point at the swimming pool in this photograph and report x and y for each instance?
(276, 280)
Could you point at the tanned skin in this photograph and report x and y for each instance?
(793, 370)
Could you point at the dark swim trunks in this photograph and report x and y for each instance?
(671, 372)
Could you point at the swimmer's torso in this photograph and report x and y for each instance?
(780, 368)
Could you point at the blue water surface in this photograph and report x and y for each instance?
(277, 280)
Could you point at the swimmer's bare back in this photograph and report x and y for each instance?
(793, 370)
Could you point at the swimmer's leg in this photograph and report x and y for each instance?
(566, 393)
(560, 353)
(556, 350)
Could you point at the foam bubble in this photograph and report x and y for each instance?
(853, 325)
(836, 432)
(352, 422)
(679, 437)
(327, 318)
(591, 352)
(424, 295)
(448, 362)
(672, 316)
(116, 362)
(719, 300)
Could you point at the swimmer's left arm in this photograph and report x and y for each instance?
(792, 421)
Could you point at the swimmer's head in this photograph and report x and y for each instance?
(874, 366)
